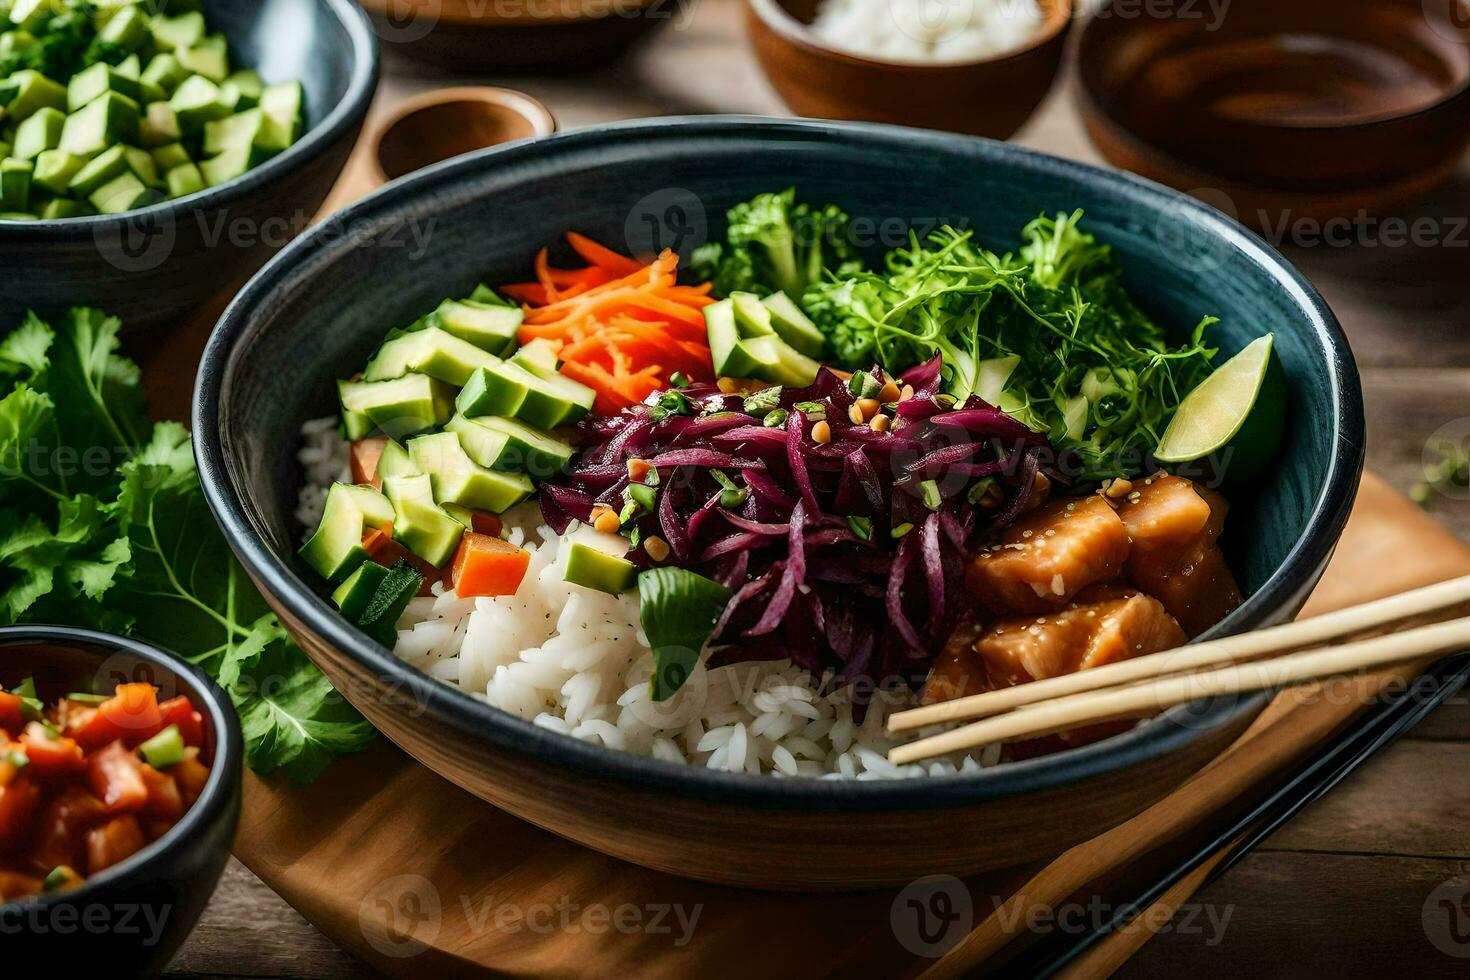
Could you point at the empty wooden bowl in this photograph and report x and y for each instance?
(447, 123)
(992, 97)
(498, 35)
(1283, 104)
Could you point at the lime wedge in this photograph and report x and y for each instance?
(1236, 414)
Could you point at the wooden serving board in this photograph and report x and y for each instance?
(414, 874)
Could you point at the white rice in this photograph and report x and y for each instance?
(575, 661)
(927, 31)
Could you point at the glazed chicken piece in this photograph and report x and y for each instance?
(1106, 624)
(1049, 556)
(1174, 526)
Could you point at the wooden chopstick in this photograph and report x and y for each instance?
(1215, 653)
(1141, 699)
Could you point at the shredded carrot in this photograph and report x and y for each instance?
(622, 326)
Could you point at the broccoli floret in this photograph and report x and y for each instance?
(776, 245)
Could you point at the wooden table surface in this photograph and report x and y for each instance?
(1339, 891)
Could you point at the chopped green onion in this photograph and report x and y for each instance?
(679, 379)
(864, 385)
(643, 494)
(777, 418)
(17, 758)
(81, 697)
(733, 494)
(759, 403)
(672, 403)
(930, 490)
(164, 749)
(901, 530)
(60, 877)
(814, 411)
(980, 489)
(862, 527)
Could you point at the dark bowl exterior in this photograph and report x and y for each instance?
(323, 305)
(133, 917)
(991, 98)
(153, 265)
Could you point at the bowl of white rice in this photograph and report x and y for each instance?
(755, 774)
(969, 66)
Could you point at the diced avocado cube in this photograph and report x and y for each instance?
(794, 326)
(252, 129)
(433, 352)
(159, 126)
(28, 91)
(593, 568)
(243, 90)
(744, 344)
(510, 390)
(185, 180)
(39, 133)
(183, 31)
(209, 58)
(15, 186)
(460, 480)
(539, 357)
(196, 102)
(62, 208)
(286, 104)
(395, 461)
(489, 326)
(353, 595)
(419, 523)
(165, 72)
(124, 193)
(128, 29)
(171, 156)
(336, 550)
(55, 170)
(232, 163)
(401, 407)
(89, 84)
(109, 120)
(32, 15)
(505, 444)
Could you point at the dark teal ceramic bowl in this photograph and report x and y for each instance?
(132, 917)
(322, 306)
(155, 264)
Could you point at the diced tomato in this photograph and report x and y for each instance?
(165, 802)
(488, 566)
(365, 455)
(180, 711)
(114, 842)
(191, 776)
(12, 718)
(51, 757)
(115, 775)
(131, 714)
(14, 886)
(381, 548)
(18, 800)
(63, 826)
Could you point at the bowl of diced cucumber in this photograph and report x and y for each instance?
(153, 154)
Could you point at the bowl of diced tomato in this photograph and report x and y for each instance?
(119, 797)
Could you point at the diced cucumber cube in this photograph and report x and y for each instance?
(88, 85)
(171, 156)
(489, 326)
(63, 208)
(165, 72)
(185, 180)
(243, 89)
(196, 102)
(28, 91)
(209, 58)
(174, 33)
(128, 29)
(140, 162)
(160, 125)
(31, 15)
(286, 104)
(130, 67)
(111, 119)
(39, 133)
(15, 186)
(252, 128)
(16, 216)
(55, 170)
(125, 193)
(106, 166)
(232, 163)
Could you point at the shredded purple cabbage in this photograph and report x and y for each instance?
(845, 556)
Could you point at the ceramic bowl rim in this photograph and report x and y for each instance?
(774, 15)
(347, 114)
(213, 805)
(479, 721)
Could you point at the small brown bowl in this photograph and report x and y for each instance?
(1283, 104)
(993, 97)
(447, 123)
(500, 35)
